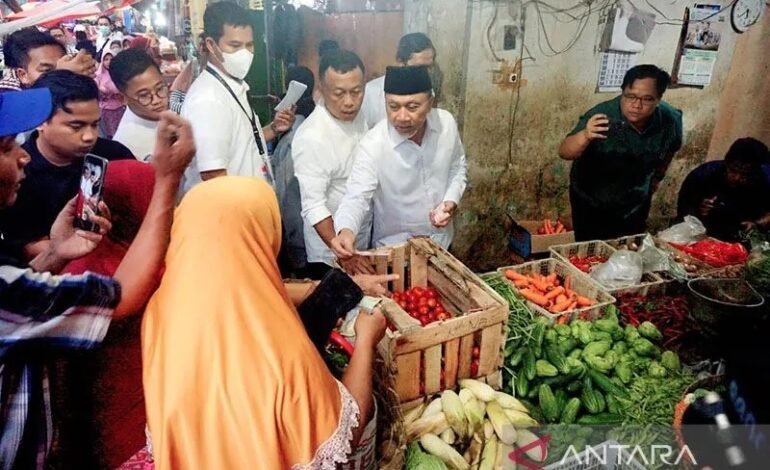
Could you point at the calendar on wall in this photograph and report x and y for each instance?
(613, 66)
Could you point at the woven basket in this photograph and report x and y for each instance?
(582, 250)
(581, 283)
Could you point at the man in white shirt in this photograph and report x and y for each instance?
(228, 135)
(146, 94)
(413, 49)
(410, 167)
(323, 155)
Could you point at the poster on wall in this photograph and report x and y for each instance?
(612, 68)
(701, 45)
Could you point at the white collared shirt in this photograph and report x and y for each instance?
(322, 151)
(373, 108)
(404, 181)
(224, 139)
(138, 134)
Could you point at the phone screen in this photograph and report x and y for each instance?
(90, 191)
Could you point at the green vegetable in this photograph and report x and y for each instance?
(538, 334)
(644, 347)
(600, 419)
(624, 371)
(670, 361)
(516, 357)
(544, 368)
(551, 336)
(548, 403)
(575, 353)
(599, 363)
(570, 411)
(416, 459)
(617, 333)
(576, 367)
(604, 383)
(611, 314)
(563, 330)
(621, 347)
(656, 370)
(561, 399)
(631, 334)
(605, 325)
(597, 348)
(555, 357)
(567, 345)
(650, 331)
(574, 386)
(613, 405)
(522, 385)
(592, 399)
(601, 336)
(529, 364)
(533, 391)
(585, 336)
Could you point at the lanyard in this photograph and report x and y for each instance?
(252, 120)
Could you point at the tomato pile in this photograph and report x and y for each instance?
(423, 304)
(585, 263)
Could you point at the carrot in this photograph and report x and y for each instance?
(562, 320)
(548, 226)
(561, 298)
(534, 297)
(584, 301)
(572, 306)
(551, 278)
(539, 284)
(514, 276)
(560, 307)
(559, 227)
(567, 282)
(521, 284)
(554, 293)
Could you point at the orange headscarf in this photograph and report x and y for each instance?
(231, 378)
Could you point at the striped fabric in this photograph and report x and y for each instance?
(9, 82)
(40, 313)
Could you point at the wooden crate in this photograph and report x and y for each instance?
(414, 352)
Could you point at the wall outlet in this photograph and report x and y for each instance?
(513, 77)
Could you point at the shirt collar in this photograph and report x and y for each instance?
(234, 84)
(397, 139)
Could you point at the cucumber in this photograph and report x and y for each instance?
(529, 364)
(522, 385)
(561, 399)
(538, 334)
(548, 404)
(516, 357)
(600, 419)
(570, 411)
(604, 383)
(574, 386)
(556, 357)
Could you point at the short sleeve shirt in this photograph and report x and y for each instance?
(615, 175)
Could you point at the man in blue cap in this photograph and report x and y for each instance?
(41, 312)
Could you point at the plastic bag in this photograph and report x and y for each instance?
(689, 231)
(716, 253)
(653, 258)
(623, 269)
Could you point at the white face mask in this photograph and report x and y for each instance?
(104, 31)
(237, 63)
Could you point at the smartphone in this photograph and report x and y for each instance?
(615, 126)
(90, 191)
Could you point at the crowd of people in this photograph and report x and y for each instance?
(200, 223)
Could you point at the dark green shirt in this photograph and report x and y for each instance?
(615, 175)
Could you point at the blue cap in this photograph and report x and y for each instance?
(21, 111)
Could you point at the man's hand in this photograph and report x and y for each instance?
(81, 63)
(283, 120)
(597, 127)
(344, 244)
(706, 206)
(69, 243)
(174, 146)
(375, 285)
(442, 215)
(356, 265)
(370, 328)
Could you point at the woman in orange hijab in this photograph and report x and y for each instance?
(231, 379)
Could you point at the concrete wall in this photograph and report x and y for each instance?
(512, 134)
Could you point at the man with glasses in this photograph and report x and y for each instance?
(621, 150)
(141, 84)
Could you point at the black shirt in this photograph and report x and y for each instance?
(45, 191)
(734, 205)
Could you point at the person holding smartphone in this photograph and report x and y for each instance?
(621, 150)
(47, 313)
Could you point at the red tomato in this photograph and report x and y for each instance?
(410, 296)
(418, 291)
(397, 296)
(411, 306)
(476, 352)
(424, 310)
(402, 303)
(424, 320)
(431, 303)
(474, 368)
(431, 293)
(422, 301)
(442, 316)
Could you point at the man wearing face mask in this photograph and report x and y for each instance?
(229, 137)
(410, 168)
(104, 30)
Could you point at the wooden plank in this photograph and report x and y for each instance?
(418, 268)
(432, 362)
(399, 260)
(408, 376)
(491, 341)
(398, 317)
(421, 338)
(381, 265)
(451, 362)
(466, 352)
(448, 290)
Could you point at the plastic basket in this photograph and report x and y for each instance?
(605, 456)
(581, 283)
(582, 249)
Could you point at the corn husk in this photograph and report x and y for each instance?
(489, 455)
(537, 453)
(465, 395)
(508, 402)
(503, 426)
(473, 454)
(474, 412)
(435, 446)
(481, 390)
(448, 436)
(454, 412)
(434, 407)
(411, 415)
(435, 424)
(519, 419)
(489, 430)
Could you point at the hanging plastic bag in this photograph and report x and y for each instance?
(689, 231)
(623, 269)
(653, 258)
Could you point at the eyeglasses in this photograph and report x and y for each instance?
(645, 100)
(145, 97)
